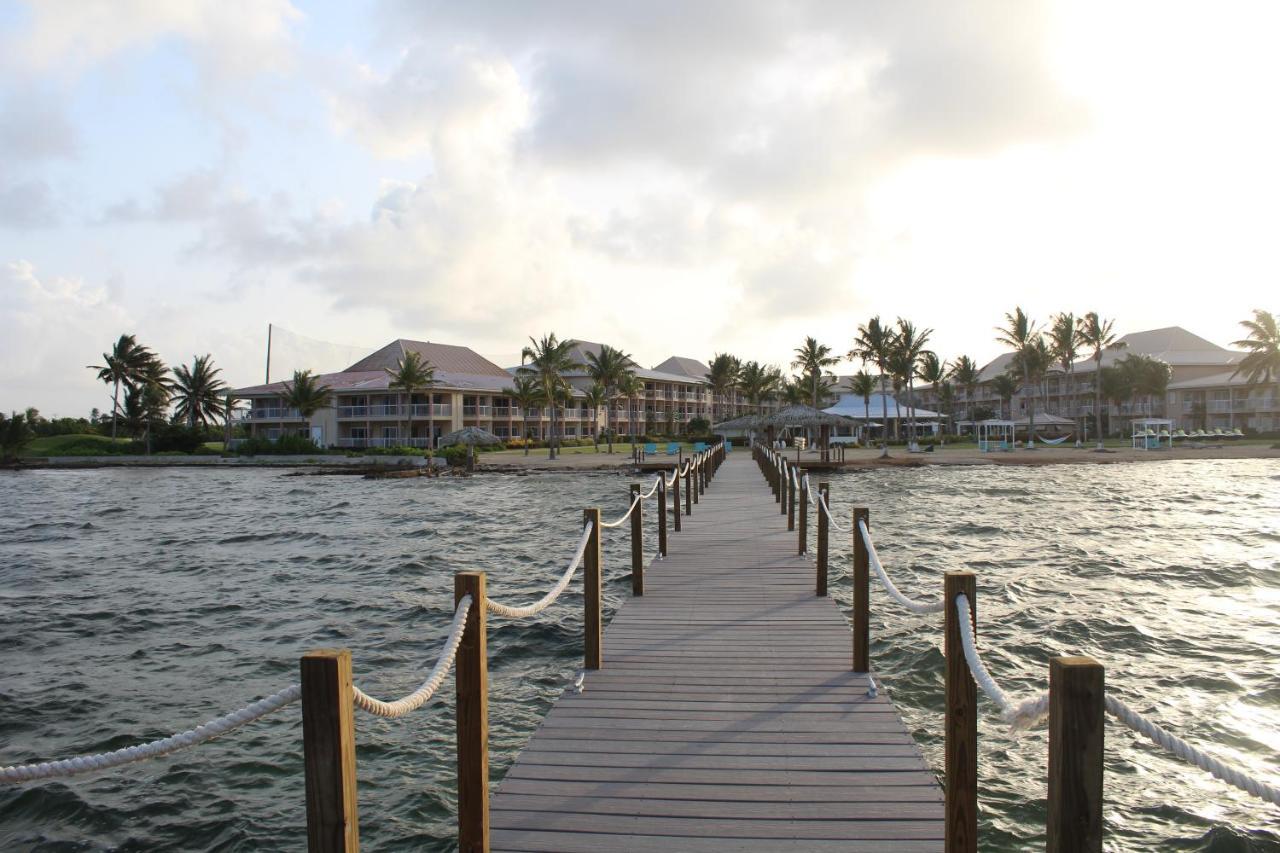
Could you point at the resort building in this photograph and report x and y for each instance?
(470, 390)
(1201, 393)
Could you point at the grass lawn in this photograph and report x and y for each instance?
(71, 445)
(620, 448)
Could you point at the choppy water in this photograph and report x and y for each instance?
(138, 603)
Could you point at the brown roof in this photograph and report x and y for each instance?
(682, 366)
(445, 358)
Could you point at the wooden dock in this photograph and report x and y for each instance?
(726, 715)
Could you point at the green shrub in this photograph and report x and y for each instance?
(285, 445)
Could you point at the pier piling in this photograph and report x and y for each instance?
(472, 683)
(329, 751)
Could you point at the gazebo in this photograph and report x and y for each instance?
(1149, 432)
(740, 427)
(995, 434)
(807, 417)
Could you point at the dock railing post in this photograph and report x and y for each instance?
(675, 497)
(861, 594)
(591, 627)
(791, 502)
(1076, 723)
(662, 513)
(824, 496)
(637, 543)
(688, 491)
(472, 679)
(784, 477)
(961, 725)
(329, 751)
(803, 543)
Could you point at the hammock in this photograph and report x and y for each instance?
(1054, 442)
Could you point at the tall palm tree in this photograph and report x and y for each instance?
(595, 397)
(864, 385)
(1261, 365)
(759, 382)
(1115, 384)
(1020, 334)
(1065, 340)
(631, 388)
(1096, 334)
(125, 363)
(306, 394)
(549, 359)
(146, 399)
(722, 376)
(966, 373)
(606, 369)
(199, 392)
(1005, 387)
(910, 347)
(873, 345)
(1033, 362)
(947, 402)
(793, 391)
(813, 359)
(526, 393)
(412, 373)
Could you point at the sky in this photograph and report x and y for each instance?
(673, 178)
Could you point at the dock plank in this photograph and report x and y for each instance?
(725, 715)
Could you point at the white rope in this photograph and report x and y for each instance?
(894, 592)
(154, 749)
(1024, 714)
(625, 515)
(822, 501)
(548, 599)
(653, 490)
(1188, 753)
(444, 663)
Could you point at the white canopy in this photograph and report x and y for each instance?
(881, 408)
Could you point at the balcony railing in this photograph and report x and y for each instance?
(420, 441)
(418, 410)
(272, 414)
(477, 411)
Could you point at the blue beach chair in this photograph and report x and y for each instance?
(651, 448)
(699, 446)
(673, 448)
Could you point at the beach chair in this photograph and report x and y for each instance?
(651, 449)
(673, 448)
(699, 446)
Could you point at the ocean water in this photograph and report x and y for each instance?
(139, 603)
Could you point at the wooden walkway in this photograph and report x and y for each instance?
(725, 716)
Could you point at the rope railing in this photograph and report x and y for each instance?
(415, 700)
(548, 599)
(154, 749)
(1020, 715)
(618, 521)
(896, 594)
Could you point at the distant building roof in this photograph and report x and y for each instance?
(443, 357)
(879, 407)
(681, 366)
(1216, 380)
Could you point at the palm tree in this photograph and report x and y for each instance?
(873, 345)
(1005, 387)
(15, 434)
(1261, 364)
(306, 394)
(794, 392)
(549, 359)
(631, 388)
(596, 396)
(722, 376)
(606, 369)
(525, 391)
(411, 373)
(125, 363)
(146, 399)
(1033, 362)
(947, 402)
(812, 359)
(1096, 334)
(966, 373)
(1115, 384)
(864, 385)
(200, 392)
(1020, 333)
(1065, 340)
(758, 382)
(910, 346)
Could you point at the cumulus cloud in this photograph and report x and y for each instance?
(190, 197)
(34, 127)
(27, 204)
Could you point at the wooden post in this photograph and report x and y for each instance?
(824, 495)
(472, 680)
(637, 543)
(1076, 724)
(675, 498)
(662, 513)
(861, 594)
(784, 486)
(591, 619)
(791, 504)
(688, 492)
(803, 544)
(329, 751)
(961, 723)
(696, 484)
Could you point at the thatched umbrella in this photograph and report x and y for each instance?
(809, 418)
(746, 423)
(470, 436)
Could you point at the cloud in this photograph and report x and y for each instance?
(228, 38)
(27, 204)
(47, 319)
(33, 127)
(191, 197)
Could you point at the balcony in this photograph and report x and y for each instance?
(506, 412)
(272, 414)
(477, 411)
(421, 441)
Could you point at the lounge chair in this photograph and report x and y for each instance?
(673, 448)
(699, 446)
(651, 449)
